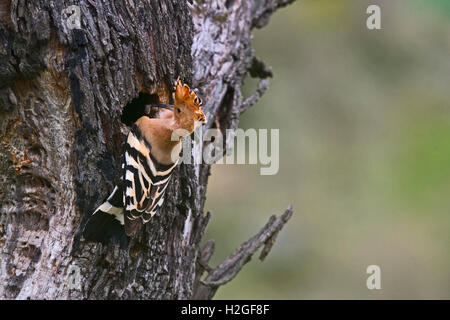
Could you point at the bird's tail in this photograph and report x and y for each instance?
(106, 223)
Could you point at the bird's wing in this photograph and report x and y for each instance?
(145, 178)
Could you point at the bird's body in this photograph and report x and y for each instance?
(151, 154)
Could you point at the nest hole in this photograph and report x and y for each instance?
(136, 108)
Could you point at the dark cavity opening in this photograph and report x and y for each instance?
(136, 108)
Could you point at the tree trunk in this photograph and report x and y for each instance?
(67, 96)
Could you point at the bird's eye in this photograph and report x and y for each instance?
(178, 110)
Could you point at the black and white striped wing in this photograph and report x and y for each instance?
(145, 179)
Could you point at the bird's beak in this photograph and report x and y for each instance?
(162, 105)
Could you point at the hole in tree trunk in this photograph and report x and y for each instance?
(136, 108)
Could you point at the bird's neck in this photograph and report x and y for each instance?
(170, 142)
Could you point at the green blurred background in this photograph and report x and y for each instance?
(364, 119)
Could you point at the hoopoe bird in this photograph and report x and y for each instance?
(152, 151)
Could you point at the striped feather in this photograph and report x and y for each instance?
(136, 199)
(145, 179)
(107, 221)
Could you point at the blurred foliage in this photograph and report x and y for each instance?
(364, 119)
(440, 4)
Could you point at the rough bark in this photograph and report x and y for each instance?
(63, 93)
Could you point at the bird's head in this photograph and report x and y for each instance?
(187, 108)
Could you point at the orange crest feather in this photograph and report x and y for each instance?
(184, 95)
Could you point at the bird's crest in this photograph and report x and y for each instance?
(184, 95)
